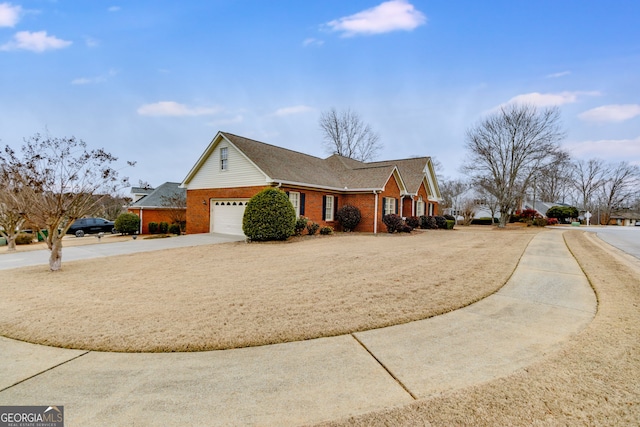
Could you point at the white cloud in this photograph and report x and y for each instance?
(393, 15)
(560, 74)
(289, 111)
(312, 42)
(606, 149)
(611, 113)
(9, 14)
(171, 108)
(94, 80)
(548, 99)
(114, 9)
(36, 42)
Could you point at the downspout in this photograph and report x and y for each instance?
(141, 222)
(375, 213)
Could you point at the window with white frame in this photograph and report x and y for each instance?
(430, 209)
(389, 205)
(224, 159)
(294, 198)
(419, 207)
(328, 208)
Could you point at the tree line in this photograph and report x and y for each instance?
(514, 154)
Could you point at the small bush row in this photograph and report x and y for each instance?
(164, 228)
(396, 223)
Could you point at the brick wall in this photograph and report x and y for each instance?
(151, 215)
(198, 212)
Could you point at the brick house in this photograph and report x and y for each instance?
(154, 206)
(232, 169)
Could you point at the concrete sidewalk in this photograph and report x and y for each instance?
(546, 301)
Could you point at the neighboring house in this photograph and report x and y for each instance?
(138, 193)
(624, 217)
(154, 207)
(233, 169)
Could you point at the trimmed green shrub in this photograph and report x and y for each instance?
(312, 228)
(174, 229)
(24, 239)
(441, 222)
(269, 215)
(413, 221)
(450, 224)
(127, 223)
(301, 224)
(406, 228)
(428, 222)
(153, 227)
(484, 221)
(326, 230)
(562, 213)
(540, 222)
(393, 222)
(449, 217)
(349, 217)
(163, 227)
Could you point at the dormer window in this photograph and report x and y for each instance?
(224, 161)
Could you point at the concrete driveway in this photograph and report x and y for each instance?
(104, 249)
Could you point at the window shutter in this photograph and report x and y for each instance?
(287, 193)
(396, 206)
(324, 207)
(335, 207)
(301, 203)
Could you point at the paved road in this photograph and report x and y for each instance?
(626, 239)
(546, 301)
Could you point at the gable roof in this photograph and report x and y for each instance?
(156, 197)
(281, 165)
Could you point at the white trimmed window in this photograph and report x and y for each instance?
(224, 158)
(419, 207)
(294, 198)
(389, 205)
(328, 208)
(430, 209)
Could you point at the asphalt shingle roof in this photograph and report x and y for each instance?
(281, 164)
(155, 198)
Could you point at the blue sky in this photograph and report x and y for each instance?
(153, 81)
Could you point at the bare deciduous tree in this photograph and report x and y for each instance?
(59, 180)
(618, 188)
(177, 205)
(11, 217)
(553, 182)
(347, 135)
(587, 178)
(468, 211)
(509, 147)
(451, 190)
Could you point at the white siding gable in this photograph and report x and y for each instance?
(240, 171)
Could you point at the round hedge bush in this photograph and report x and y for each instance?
(269, 215)
(127, 223)
(349, 217)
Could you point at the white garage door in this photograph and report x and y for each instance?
(226, 216)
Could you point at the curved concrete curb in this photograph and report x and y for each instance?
(547, 300)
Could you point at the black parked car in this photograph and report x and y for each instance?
(83, 226)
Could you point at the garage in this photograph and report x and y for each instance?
(226, 216)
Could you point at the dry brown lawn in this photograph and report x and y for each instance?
(594, 380)
(237, 294)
